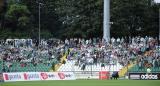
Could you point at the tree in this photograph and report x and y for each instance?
(80, 18)
(49, 19)
(132, 17)
(85, 18)
(17, 17)
(3, 7)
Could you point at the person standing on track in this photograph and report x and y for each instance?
(148, 72)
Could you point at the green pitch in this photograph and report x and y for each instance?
(86, 83)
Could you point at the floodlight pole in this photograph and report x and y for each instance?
(159, 34)
(106, 21)
(39, 34)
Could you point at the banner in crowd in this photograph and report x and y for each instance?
(35, 76)
(144, 76)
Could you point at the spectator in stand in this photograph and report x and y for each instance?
(85, 51)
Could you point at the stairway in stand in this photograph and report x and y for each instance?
(124, 70)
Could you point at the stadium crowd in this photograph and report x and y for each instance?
(144, 51)
(141, 51)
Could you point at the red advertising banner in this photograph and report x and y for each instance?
(103, 75)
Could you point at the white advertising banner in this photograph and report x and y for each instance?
(34, 76)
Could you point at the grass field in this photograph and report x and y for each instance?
(86, 83)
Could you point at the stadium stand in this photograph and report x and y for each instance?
(135, 55)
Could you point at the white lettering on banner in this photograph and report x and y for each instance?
(32, 76)
(149, 76)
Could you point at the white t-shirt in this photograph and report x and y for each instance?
(148, 70)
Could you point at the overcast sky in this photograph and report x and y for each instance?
(157, 1)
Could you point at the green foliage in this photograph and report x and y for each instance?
(17, 17)
(23, 21)
(132, 17)
(79, 18)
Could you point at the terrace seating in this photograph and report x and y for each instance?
(144, 69)
(70, 66)
(29, 67)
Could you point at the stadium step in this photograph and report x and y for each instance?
(57, 66)
(124, 70)
(64, 58)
